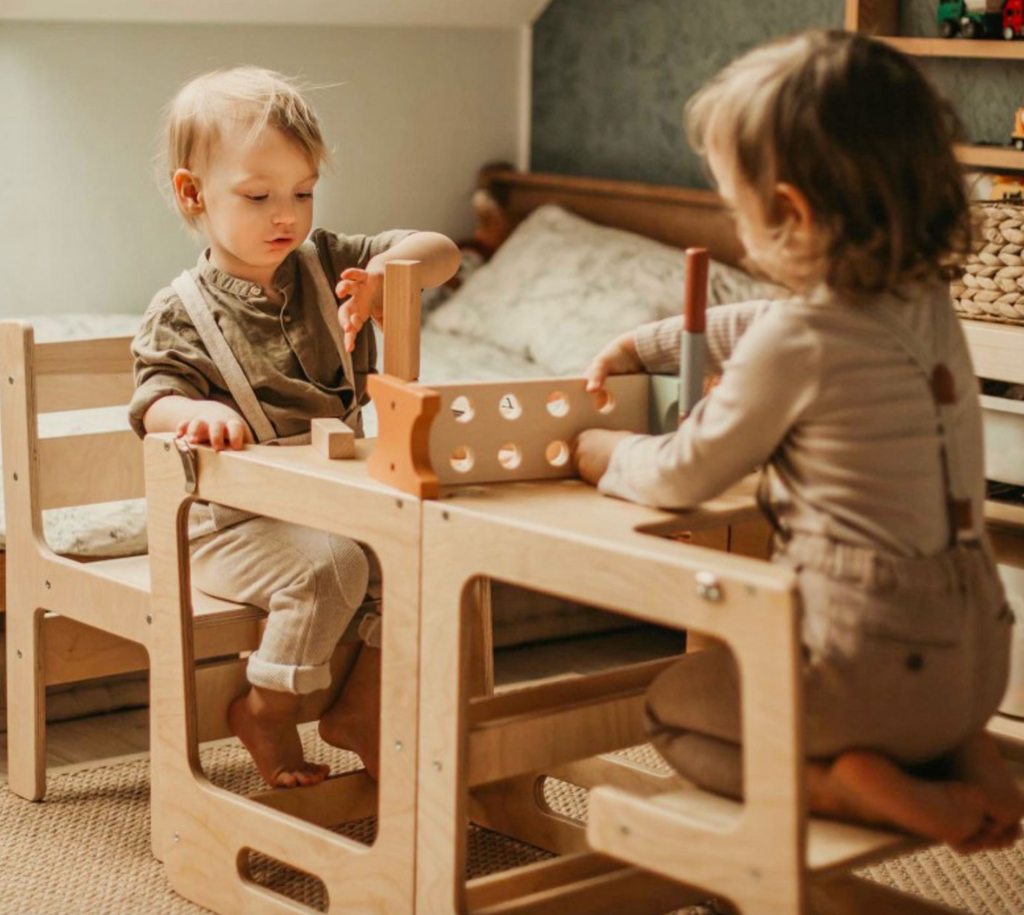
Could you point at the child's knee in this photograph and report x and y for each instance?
(351, 569)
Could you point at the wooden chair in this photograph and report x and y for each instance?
(652, 841)
(205, 835)
(69, 621)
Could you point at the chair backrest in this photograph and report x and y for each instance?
(73, 469)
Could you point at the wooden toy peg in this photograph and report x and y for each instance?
(402, 288)
(692, 358)
(333, 439)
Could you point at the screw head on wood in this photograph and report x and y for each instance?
(19, 653)
(708, 587)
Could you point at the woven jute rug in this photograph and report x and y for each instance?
(85, 850)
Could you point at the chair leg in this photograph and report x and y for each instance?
(26, 704)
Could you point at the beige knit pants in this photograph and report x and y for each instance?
(904, 657)
(310, 583)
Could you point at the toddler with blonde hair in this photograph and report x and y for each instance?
(858, 398)
(270, 330)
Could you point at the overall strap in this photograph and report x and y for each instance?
(238, 385)
(317, 270)
(942, 385)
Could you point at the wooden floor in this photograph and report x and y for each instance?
(123, 733)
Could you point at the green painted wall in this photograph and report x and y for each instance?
(611, 78)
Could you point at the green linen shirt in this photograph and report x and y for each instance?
(285, 350)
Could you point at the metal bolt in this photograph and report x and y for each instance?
(149, 619)
(177, 838)
(398, 746)
(48, 586)
(19, 653)
(437, 765)
(15, 478)
(708, 587)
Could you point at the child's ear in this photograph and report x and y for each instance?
(187, 192)
(794, 209)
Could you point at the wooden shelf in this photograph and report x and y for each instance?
(1004, 515)
(996, 349)
(980, 48)
(998, 158)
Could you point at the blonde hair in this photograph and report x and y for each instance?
(250, 96)
(858, 130)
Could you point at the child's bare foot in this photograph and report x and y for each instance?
(353, 722)
(868, 787)
(265, 721)
(978, 762)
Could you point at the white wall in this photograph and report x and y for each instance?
(83, 224)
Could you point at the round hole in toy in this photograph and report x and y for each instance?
(509, 406)
(510, 456)
(462, 409)
(603, 401)
(558, 404)
(462, 459)
(557, 454)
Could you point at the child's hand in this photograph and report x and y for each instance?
(365, 289)
(217, 424)
(618, 358)
(592, 452)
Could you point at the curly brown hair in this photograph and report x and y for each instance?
(855, 126)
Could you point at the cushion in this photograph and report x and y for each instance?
(561, 287)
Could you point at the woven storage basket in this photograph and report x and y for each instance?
(992, 285)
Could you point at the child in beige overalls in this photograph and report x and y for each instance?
(250, 346)
(858, 397)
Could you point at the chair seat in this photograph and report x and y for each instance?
(617, 817)
(134, 571)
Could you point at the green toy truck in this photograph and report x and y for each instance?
(970, 18)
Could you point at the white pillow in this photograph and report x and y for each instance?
(561, 287)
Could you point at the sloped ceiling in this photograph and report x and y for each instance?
(458, 13)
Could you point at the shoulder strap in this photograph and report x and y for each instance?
(942, 386)
(238, 385)
(318, 267)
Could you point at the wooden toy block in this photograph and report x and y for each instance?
(333, 439)
(495, 431)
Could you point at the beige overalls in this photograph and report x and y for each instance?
(311, 583)
(906, 630)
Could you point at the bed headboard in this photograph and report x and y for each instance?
(676, 216)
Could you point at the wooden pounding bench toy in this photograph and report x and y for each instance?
(501, 431)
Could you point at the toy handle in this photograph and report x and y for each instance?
(692, 356)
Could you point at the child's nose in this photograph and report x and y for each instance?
(284, 216)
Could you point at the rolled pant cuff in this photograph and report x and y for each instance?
(287, 678)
